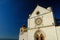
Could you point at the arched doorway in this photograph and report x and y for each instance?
(39, 35)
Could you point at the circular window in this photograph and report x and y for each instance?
(37, 12)
(38, 21)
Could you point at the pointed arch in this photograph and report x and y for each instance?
(39, 35)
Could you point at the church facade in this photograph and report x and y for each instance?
(41, 26)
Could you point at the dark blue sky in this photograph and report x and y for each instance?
(14, 13)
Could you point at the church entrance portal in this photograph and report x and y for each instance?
(38, 35)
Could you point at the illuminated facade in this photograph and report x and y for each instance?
(41, 26)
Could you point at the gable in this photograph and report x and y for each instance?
(38, 11)
(45, 18)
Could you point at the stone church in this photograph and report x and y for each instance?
(41, 26)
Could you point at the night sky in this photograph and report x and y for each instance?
(14, 13)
